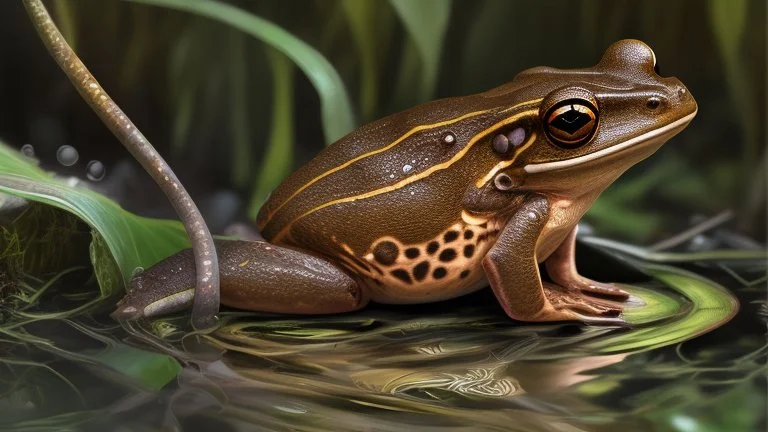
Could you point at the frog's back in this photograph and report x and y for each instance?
(387, 151)
(374, 156)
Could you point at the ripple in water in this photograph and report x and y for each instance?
(95, 170)
(67, 155)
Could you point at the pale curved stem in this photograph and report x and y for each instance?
(206, 300)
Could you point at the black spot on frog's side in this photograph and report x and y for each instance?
(447, 255)
(412, 253)
(432, 247)
(402, 275)
(439, 273)
(386, 252)
(450, 236)
(421, 270)
(469, 250)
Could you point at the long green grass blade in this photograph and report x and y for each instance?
(370, 27)
(426, 22)
(279, 156)
(337, 113)
(66, 18)
(729, 21)
(239, 122)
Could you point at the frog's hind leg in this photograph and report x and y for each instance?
(561, 267)
(255, 276)
(513, 272)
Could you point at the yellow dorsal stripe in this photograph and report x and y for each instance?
(372, 153)
(414, 178)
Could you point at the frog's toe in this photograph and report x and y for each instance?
(601, 320)
(585, 308)
(588, 286)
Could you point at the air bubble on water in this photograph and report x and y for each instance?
(95, 170)
(28, 151)
(67, 155)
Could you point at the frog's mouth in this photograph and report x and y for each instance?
(649, 140)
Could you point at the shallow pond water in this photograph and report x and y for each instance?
(692, 360)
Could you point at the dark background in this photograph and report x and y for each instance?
(202, 93)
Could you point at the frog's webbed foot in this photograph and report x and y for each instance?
(567, 304)
(513, 272)
(561, 267)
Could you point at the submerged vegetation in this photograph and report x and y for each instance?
(240, 93)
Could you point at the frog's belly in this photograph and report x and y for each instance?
(446, 266)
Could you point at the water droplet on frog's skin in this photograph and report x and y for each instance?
(28, 151)
(95, 170)
(407, 168)
(67, 155)
(391, 176)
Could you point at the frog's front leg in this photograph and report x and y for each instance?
(561, 267)
(255, 275)
(513, 272)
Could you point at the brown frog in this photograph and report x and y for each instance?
(449, 197)
(427, 204)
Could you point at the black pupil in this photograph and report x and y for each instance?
(571, 121)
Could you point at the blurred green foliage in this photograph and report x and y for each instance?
(236, 111)
(244, 91)
(132, 241)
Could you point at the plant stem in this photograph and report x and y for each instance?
(206, 302)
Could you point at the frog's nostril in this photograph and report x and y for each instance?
(681, 92)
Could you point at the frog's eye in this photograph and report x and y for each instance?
(571, 123)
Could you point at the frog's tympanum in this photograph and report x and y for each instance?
(449, 197)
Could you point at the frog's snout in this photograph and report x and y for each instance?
(677, 96)
(683, 97)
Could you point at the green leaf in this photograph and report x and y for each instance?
(337, 113)
(370, 27)
(426, 22)
(66, 19)
(711, 305)
(279, 156)
(186, 79)
(728, 20)
(239, 121)
(152, 370)
(132, 240)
